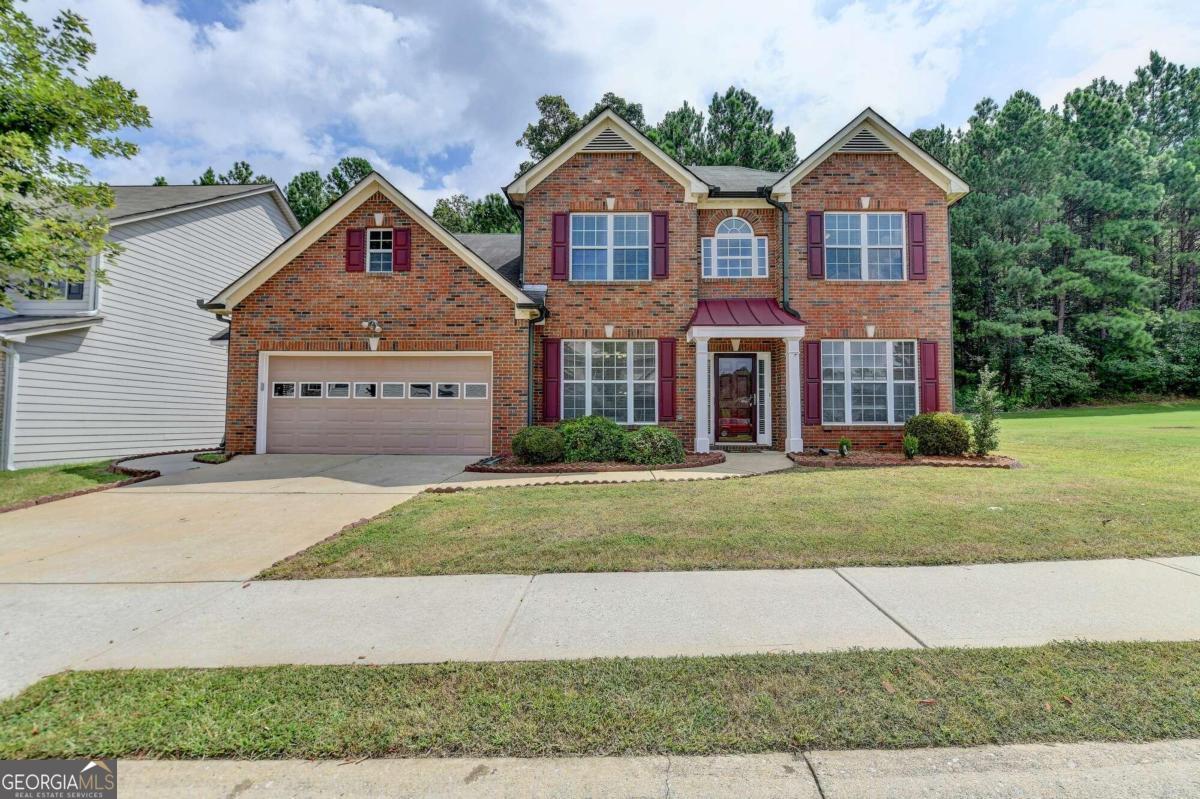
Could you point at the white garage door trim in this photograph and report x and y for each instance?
(264, 364)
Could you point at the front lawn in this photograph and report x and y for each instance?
(25, 484)
(760, 703)
(1099, 483)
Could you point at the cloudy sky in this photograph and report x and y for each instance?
(435, 92)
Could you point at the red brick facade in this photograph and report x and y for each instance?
(312, 303)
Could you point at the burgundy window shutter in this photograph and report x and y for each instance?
(929, 377)
(355, 249)
(666, 379)
(402, 249)
(812, 382)
(560, 231)
(816, 244)
(916, 245)
(662, 246)
(551, 378)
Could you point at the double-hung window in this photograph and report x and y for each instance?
(734, 251)
(614, 379)
(864, 246)
(610, 247)
(868, 382)
(379, 250)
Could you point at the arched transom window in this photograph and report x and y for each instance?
(734, 251)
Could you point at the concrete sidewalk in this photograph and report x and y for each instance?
(1166, 770)
(46, 628)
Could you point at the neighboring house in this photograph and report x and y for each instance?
(734, 306)
(131, 364)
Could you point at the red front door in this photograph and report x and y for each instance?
(735, 399)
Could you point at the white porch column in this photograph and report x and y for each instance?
(795, 398)
(703, 379)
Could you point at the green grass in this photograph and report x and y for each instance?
(25, 484)
(211, 457)
(877, 699)
(1099, 482)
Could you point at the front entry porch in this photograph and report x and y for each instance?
(738, 342)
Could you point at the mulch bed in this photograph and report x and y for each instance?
(509, 465)
(870, 459)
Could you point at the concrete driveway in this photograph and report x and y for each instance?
(208, 522)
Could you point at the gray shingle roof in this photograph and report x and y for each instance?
(501, 251)
(735, 178)
(134, 200)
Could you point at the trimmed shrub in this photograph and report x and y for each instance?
(535, 445)
(592, 438)
(939, 433)
(911, 446)
(653, 445)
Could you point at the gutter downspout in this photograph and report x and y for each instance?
(542, 314)
(8, 420)
(785, 246)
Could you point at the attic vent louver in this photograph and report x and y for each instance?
(608, 141)
(865, 142)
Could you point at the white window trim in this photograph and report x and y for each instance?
(292, 383)
(486, 390)
(88, 303)
(349, 388)
(438, 387)
(587, 381)
(432, 390)
(403, 390)
(357, 383)
(610, 248)
(863, 247)
(302, 383)
(390, 251)
(891, 393)
(759, 246)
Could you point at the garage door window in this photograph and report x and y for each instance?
(283, 390)
(311, 391)
(366, 390)
(337, 390)
(475, 390)
(392, 390)
(420, 390)
(447, 390)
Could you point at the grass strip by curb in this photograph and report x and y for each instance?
(859, 699)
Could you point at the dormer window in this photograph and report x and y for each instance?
(734, 251)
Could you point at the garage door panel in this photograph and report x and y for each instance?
(377, 425)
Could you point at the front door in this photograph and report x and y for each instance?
(736, 400)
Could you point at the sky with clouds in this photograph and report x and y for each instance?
(436, 92)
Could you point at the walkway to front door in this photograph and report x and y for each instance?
(736, 398)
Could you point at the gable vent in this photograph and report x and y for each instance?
(608, 141)
(864, 141)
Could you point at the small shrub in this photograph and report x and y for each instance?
(911, 446)
(535, 445)
(939, 433)
(844, 445)
(592, 438)
(653, 445)
(985, 431)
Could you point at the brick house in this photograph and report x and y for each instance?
(734, 306)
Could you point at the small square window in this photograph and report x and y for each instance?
(475, 390)
(447, 390)
(283, 390)
(392, 390)
(337, 390)
(379, 250)
(420, 390)
(311, 390)
(366, 390)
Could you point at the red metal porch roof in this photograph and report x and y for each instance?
(736, 311)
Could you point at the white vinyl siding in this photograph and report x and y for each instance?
(147, 378)
(611, 378)
(868, 382)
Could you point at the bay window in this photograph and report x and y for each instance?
(614, 379)
(864, 246)
(610, 247)
(868, 382)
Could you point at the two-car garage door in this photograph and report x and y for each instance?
(404, 404)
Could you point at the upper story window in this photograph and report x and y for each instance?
(57, 296)
(734, 251)
(379, 250)
(610, 246)
(864, 246)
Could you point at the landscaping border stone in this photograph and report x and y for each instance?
(867, 460)
(509, 465)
